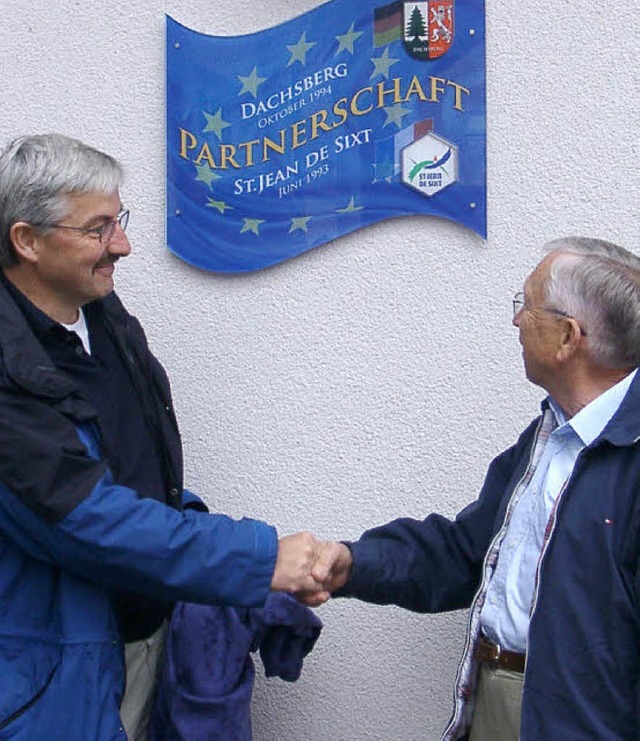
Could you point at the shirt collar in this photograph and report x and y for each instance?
(40, 323)
(591, 420)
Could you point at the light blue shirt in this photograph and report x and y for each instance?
(505, 614)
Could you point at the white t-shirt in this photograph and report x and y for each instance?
(81, 329)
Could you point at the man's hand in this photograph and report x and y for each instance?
(297, 555)
(331, 571)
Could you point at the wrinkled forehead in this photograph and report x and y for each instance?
(94, 204)
(534, 285)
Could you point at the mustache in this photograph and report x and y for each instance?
(103, 262)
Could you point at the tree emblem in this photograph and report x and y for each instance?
(417, 29)
(428, 27)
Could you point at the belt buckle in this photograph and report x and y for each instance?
(497, 651)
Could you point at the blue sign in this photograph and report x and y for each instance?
(352, 113)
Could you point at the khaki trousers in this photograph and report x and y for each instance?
(498, 705)
(142, 660)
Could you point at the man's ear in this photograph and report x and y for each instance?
(25, 241)
(570, 339)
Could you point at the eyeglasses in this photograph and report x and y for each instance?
(519, 303)
(104, 232)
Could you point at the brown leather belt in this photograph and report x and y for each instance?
(497, 658)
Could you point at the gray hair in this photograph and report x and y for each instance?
(38, 173)
(598, 283)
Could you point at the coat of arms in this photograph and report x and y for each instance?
(428, 28)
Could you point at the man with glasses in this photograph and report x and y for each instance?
(98, 537)
(548, 556)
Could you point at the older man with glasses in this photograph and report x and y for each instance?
(98, 537)
(548, 557)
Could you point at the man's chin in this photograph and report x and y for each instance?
(531, 377)
(102, 288)
(534, 379)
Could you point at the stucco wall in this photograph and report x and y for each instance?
(372, 377)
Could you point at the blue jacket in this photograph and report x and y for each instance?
(70, 536)
(205, 686)
(583, 658)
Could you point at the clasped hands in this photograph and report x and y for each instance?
(309, 568)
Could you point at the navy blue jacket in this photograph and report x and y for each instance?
(71, 537)
(583, 658)
(205, 686)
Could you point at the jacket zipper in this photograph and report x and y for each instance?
(30, 704)
(497, 536)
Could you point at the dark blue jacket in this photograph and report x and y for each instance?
(583, 658)
(205, 686)
(70, 537)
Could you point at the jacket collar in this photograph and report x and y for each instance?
(26, 364)
(624, 427)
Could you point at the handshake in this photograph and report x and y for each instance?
(310, 569)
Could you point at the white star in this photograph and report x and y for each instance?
(350, 208)
(299, 50)
(215, 123)
(251, 83)
(251, 225)
(382, 64)
(346, 40)
(395, 114)
(299, 222)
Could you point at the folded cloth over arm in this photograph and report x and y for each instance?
(206, 681)
(285, 632)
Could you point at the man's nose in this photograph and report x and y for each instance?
(119, 243)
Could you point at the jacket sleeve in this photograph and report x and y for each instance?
(193, 501)
(44, 461)
(60, 504)
(115, 539)
(433, 565)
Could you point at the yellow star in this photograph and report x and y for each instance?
(346, 40)
(215, 123)
(299, 50)
(299, 222)
(350, 208)
(206, 175)
(251, 83)
(251, 225)
(382, 64)
(395, 114)
(220, 205)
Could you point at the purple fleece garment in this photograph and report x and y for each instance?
(204, 689)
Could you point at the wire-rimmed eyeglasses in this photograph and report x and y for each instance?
(519, 303)
(104, 232)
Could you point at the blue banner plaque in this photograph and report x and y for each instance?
(352, 113)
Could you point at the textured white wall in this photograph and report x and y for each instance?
(372, 377)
